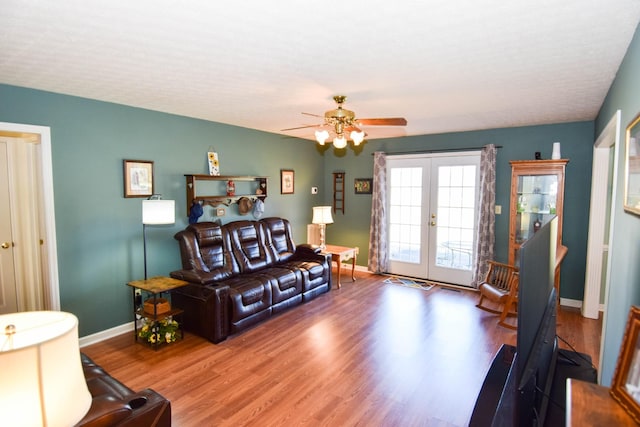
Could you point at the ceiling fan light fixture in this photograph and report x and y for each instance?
(357, 137)
(322, 136)
(340, 141)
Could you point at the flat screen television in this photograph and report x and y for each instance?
(520, 378)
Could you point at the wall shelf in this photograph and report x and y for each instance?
(255, 191)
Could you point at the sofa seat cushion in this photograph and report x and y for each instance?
(287, 283)
(249, 296)
(313, 273)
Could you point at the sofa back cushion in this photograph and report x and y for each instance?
(279, 238)
(211, 254)
(247, 238)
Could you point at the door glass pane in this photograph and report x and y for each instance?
(404, 214)
(455, 216)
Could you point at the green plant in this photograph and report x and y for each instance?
(159, 331)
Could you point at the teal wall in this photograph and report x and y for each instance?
(99, 232)
(521, 143)
(624, 288)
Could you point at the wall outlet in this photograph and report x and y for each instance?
(314, 190)
(498, 209)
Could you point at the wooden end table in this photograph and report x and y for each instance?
(154, 286)
(339, 254)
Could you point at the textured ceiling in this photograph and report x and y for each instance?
(444, 65)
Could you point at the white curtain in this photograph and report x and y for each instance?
(486, 217)
(378, 240)
(24, 170)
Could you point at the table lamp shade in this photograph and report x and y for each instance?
(158, 211)
(41, 381)
(322, 215)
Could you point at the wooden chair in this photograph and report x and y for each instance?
(500, 286)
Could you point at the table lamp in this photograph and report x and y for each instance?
(156, 211)
(322, 217)
(42, 382)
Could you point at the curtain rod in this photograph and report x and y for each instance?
(439, 150)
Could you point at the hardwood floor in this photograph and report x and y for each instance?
(368, 354)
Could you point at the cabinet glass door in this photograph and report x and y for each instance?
(536, 204)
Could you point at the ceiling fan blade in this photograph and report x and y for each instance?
(301, 127)
(391, 121)
(311, 114)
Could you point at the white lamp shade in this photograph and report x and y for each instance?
(322, 136)
(158, 211)
(339, 142)
(357, 137)
(322, 215)
(42, 381)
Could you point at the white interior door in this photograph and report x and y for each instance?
(8, 292)
(433, 216)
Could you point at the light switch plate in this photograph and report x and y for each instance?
(220, 212)
(314, 190)
(498, 209)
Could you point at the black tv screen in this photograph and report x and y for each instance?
(536, 340)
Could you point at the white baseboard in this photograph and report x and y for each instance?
(571, 302)
(106, 334)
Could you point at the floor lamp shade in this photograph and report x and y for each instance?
(158, 211)
(41, 381)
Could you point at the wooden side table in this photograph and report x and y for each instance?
(154, 286)
(339, 254)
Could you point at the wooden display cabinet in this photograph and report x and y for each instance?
(537, 194)
(256, 189)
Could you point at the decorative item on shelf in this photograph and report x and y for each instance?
(156, 211)
(161, 331)
(231, 188)
(258, 209)
(42, 383)
(156, 306)
(536, 225)
(214, 165)
(244, 205)
(195, 212)
(555, 154)
(322, 217)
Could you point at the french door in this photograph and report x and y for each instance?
(432, 205)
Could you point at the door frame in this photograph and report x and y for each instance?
(50, 270)
(608, 139)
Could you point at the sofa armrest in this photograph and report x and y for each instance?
(200, 277)
(304, 247)
(206, 310)
(308, 252)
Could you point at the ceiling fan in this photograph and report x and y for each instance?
(342, 121)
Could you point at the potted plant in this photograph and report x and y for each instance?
(158, 332)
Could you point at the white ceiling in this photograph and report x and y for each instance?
(444, 65)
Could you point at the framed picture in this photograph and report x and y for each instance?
(632, 168)
(363, 185)
(138, 178)
(625, 387)
(286, 181)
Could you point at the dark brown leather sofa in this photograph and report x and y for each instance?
(242, 273)
(116, 405)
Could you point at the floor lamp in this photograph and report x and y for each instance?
(156, 211)
(322, 217)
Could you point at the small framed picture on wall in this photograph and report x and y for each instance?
(286, 181)
(363, 185)
(138, 178)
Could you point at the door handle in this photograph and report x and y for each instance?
(433, 223)
(5, 245)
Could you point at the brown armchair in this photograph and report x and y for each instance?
(500, 286)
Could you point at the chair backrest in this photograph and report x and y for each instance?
(500, 275)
